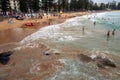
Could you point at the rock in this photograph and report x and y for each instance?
(47, 54)
(6, 54)
(4, 60)
(4, 57)
(103, 62)
(84, 58)
(57, 53)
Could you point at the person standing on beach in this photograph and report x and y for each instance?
(108, 35)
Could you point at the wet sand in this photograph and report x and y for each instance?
(14, 35)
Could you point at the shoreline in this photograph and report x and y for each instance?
(45, 21)
(17, 31)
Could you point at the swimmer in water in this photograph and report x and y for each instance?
(108, 35)
(83, 29)
(95, 23)
(113, 32)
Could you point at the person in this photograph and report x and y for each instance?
(83, 29)
(108, 35)
(10, 21)
(113, 32)
(61, 12)
(95, 23)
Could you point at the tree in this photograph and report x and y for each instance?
(64, 4)
(91, 5)
(102, 6)
(35, 5)
(118, 7)
(47, 5)
(86, 4)
(73, 5)
(24, 5)
(80, 4)
(5, 6)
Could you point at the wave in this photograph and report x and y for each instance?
(53, 31)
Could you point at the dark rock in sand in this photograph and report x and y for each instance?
(6, 54)
(84, 58)
(4, 60)
(103, 62)
(47, 54)
(57, 53)
(4, 57)
(100, 62)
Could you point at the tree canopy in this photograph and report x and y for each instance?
(66, 5)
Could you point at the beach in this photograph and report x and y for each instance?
(31, 59)
(53, 55)
(20, 25)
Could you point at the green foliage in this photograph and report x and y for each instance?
(118, 7)
(35, 5)
(29, 5)
(5, 5)
(102, 6)
(47, 4)
(95, 7)
(23, 5)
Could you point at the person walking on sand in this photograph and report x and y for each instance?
(108, 35)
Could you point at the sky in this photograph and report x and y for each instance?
(105, 1)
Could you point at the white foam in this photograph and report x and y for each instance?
(93, 56)
(42, 33)
(66, 38)
(29, 45)
(54, 31)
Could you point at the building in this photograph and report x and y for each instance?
(14, 4)
(9, 5)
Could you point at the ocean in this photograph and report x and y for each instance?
(70, 35)
(69, 38)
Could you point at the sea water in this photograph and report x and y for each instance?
(70, 35)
